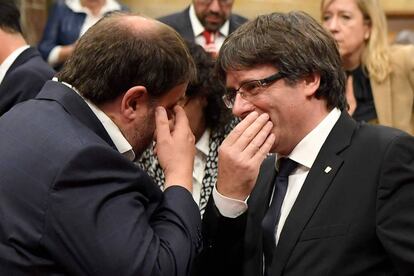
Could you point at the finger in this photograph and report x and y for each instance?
(241, 127)
(251, 131)
(180, 117)
(254, 146)
(161, 123)
(264, 150)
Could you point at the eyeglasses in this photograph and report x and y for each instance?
(221, 2)
(250, 89)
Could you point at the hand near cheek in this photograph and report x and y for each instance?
(242, 153)
(175, 148)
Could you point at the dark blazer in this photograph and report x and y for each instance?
(71, 204)
(24, 79)
(180, 21)
(356, 219)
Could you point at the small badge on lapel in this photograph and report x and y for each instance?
(328, 169)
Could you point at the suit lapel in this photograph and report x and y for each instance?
(75, 106)
(258, 203)
(381, 93)
(187, 29)
(321, 175)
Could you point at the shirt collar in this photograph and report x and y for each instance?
(120, 142)
(202, 144)
(198, 28)
(7, 63)
(307, 149)
(76, 6)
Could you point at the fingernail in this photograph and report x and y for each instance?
(265, 116)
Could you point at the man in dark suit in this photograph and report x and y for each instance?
(72, 202)
(337, 196)
(22, 70)
(207, 22)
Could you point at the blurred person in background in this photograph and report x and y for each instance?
(22, 70)
(67, 21)
(210, 121)
(380, 84)
(207, 22)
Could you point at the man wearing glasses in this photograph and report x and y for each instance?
(207, 22)
(336, 198)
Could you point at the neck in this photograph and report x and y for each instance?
(353, 60)
(9, 43)
(94, 6)
(314, 114)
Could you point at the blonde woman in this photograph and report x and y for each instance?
(380, 86)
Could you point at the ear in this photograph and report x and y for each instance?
(311, 83)
(134, 101)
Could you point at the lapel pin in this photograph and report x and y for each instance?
(328, 169)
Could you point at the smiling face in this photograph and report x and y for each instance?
(289, 106)
(345, 21)
(212, 15)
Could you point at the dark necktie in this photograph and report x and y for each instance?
(271, 218)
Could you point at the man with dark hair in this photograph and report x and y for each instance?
(337, 196)
(72, 200)
(22, 70)
(207, 22)
(211, 121)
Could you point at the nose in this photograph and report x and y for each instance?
(214, 6)
(242, 107)
(332, 24)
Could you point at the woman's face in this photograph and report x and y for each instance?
(346, 22)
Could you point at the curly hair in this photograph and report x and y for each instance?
(216, 114)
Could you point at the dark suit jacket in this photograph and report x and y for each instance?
(71, 204)
(180, 21)
(24, 79)
(357, 219)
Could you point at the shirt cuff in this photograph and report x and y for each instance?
(229, 207)
(53, 57)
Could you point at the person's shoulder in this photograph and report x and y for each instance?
(172, 18)
(60, 5)
(379, 134)
(34, 66)
(399, 51)
(238, 19)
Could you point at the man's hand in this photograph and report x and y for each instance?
(175, 148)
(241, 154)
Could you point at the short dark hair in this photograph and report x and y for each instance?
(295, 44)
(113, 56)
(216, 114)
(10, 16)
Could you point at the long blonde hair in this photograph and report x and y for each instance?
(376, 54)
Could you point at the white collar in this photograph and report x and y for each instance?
(307, 149)
(203, 143)
(76, 6)
(7, 63)
(198, 28)
(120, 142)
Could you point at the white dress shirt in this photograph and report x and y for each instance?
(202, 150)
(90, 19)
(304, 154)
(119, 140)
(7, 63)
(198, 30)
